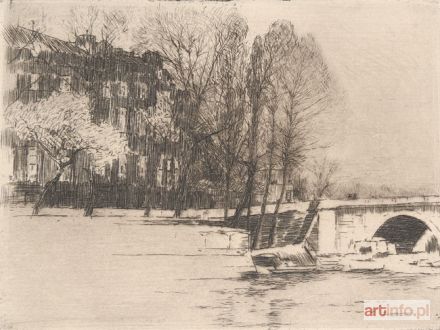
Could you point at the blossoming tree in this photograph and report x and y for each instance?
(61, 126)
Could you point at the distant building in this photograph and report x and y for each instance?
(295, 190)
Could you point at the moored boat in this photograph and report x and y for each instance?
(287, 259)
(299, 256)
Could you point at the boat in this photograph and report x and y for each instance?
(297, 257)
(293, 258)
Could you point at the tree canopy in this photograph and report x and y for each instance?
(62, 126)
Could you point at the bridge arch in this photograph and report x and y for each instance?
(404, 230)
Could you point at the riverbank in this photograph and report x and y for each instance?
(155, 214)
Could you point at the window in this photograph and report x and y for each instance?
(122, 119)
(123, 90)
(106, 90)
(142, 91)
(65, 83)
(34, 82)
(289, 195)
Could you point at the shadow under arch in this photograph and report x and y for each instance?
(404, 231)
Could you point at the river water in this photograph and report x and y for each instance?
(63, 272)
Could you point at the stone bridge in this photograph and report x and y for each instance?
(337, 225)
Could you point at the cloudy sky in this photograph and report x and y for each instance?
(384, 56)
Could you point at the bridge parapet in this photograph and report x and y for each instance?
(335, 204)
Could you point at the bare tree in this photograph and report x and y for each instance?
(114, 25)
(108, 25)
(271, 145)
(323, 177)
(291, 151)
(230, 103)
(267, 53)
(302, 88)
(307, 88)
(272, 107)
(162, 123)
(191, 43)
(62, 127)
(82, 20)
(258, 78)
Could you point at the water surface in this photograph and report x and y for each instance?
(62, 272)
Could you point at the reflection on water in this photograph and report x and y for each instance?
(112, 273)
(321, 299)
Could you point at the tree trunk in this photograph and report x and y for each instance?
(187, 157)
(227, 193)
(251, 169)
(249, 205)
(270, 169)
(88, 211)
(273, 231)
(150, 182)
(246, 197)
(256, 108)
(277, 208)
(147, 203)
(257, 240)
(283, 190)
(181, 191)
(49, 185)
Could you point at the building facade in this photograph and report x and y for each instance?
(125, 90)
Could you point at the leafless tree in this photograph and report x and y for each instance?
(323, 177)
(291, 150)
(265, 54)
(271, 145)
(230, 103)
(258, 79)
(109, 25)
(114, 24)
(308, 92)
(303, 90)
(162, 123)
(191, 43)
(273, 136)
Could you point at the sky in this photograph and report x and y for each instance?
(383, 56)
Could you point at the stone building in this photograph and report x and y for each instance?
(124, 90)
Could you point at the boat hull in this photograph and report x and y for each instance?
(272, 262)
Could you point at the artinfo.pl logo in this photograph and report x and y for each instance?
(397, 310)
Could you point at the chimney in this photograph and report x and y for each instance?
(86, 42)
